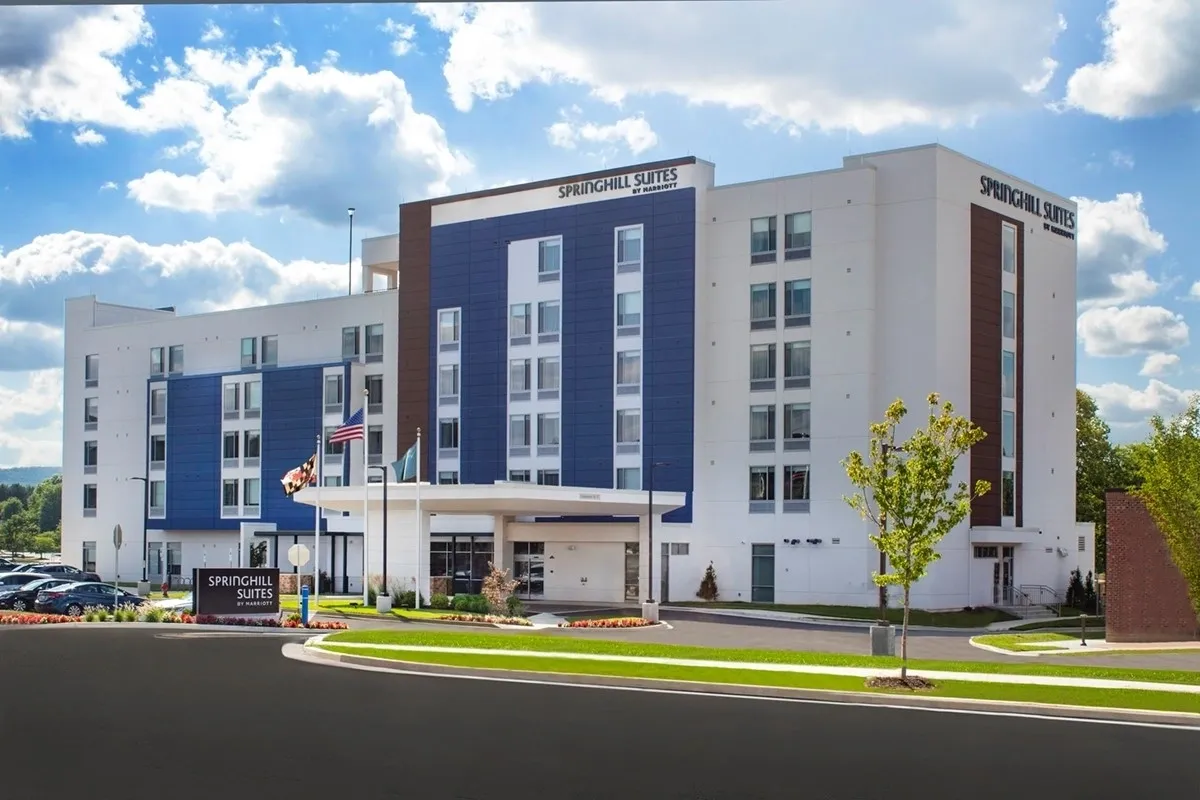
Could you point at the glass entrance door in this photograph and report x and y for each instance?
(529, 569)
(762, 573)
(1006, 574)
(633, 571)
(154, 563)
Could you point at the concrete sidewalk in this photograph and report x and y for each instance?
(842, 622)
(857, 672)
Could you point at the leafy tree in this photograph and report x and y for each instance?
(1099, 466)
(1169, 468)
(45, 543)
(908, 493)
(10, 508)
(47, 499)
(17, 532)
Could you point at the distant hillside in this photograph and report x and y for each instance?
(28, 476)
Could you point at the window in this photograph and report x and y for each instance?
(270, 351)
(252, 397)
(797, 236)
(797, 365)
(629, 371)
(252, 446)
(250, 493)
(158, 452)
(1008, 373)
(158, 406)
(91, 370)
(762, 428)
(333, 394)
(450, 477)
(518, 375)
(448, 326)
(762, 484)
(374, 442)
(518, 475)
(629, 309)
(518, 430)
(762, 306)
(331, 480)
(89, 557)
(549, 317)
(629, 478)
(230, 445)
(249, 352)
(350, 342)
(797, 425)
(230, 402)
(158, 498)
(157, 361)
(175, 359)
(547, 430)
(518, 320)
(1008, 248)
(229, 496)
(762, 367)
(549, 257)
(91, 413)
(795, 482)
(1010, 315)
(680, 549)
(1008, 494)
(549, 374)
(375, 342)
(333, 451)
(987, 551)
(547, 477)
(448, 382)
(797, 303)
(1008, 434)
(91, 455)
(762, 240)
(89, 499)
(374, 386)
(629, 248)
(629, 426)
(448, 433)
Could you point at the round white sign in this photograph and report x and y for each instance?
(297, 555)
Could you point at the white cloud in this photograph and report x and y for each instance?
(1122, 404)
(31, 418)
(403, 36)
(634, 133)
(1115, 242)
(1151, 63)
(1121, 160)
(947, 62)
(1112, 331)
(1157, 365)
(107, 186)
(85, 137)
(212, 33)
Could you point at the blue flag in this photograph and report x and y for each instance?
(406, 467)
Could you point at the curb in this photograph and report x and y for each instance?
(307, 653)
(180, 627)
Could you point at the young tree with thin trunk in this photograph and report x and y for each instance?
(907, 492)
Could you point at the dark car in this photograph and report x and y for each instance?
(13, 580)
(72, 599)
(21, 598)
(61, 571)
(7, 566)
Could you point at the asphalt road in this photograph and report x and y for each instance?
(134, 714)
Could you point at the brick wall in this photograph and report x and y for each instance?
(1147, 598)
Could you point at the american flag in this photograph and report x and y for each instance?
(352, 429)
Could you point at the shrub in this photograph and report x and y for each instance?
(612, 622)
(439, 601)
(470, 603)
(515, 607)
(708, 585)
(153, 614)
(497, 588)
(89, 616)
(440, 585)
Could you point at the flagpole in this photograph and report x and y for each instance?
(366, 509)
(420, 526)
(317, 532)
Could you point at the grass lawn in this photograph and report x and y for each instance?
(976, 618)
(550, 641)
(1070, 622)
(353, 607)
(1029, 642)
(1014, 693)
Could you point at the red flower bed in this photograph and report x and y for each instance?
(264, 622)
(316, 626)
(22, 618)
(614, 622)
(490, 619)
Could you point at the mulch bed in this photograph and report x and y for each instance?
(911, 683)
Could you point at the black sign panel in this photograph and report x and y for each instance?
(236, 592)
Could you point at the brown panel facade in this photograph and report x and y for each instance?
(412, 374)
(986, 314)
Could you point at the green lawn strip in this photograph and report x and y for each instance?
(1070, 623)
(551, 641)
(1028, 642)
(1008, 692)
(979, 618)
(353, 608)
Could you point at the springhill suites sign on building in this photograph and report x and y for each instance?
(1055, 219)
(654, 180)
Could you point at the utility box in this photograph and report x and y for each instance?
(883, 640)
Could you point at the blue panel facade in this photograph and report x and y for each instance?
(468, 267)
(193, 454)
(293, 408)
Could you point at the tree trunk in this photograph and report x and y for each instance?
(904, 638)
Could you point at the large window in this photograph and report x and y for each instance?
(1008, 434)
(230, 394)
(90, 498)
(795, 482)
(797, 236)
(629, 246)
(448, 433)
(252, 398)
(797, 364)
(158, 498)
(1009, 320)
(629, 309)
(175, 359)
(229, 496)
(91, 412)
(448, 381)
(629, 478)
(519, 378)
(230, 445)
(797, 421)
(629, 369)
(1008, 494)
(91, 370)
(547, 477)
(374, 341)
(762, 484)
(548, 429)
(333, 393)
(549, 256)
(249, 351)
(91, 456)
(158, 452)
(374, 384)
(158, 360)
(762, 424)
(518, 430)
(270, 350)
(448, 326)
(762, 365)
(350, 342)
(158, 406)
(549, 374)
(549, 317)
(333, 450)
(1008, 248)
(251, 445)
(629, 426)
(1008, 373)
(762, 306)
(762, 240)
(518, 320)
(251, 490)
(375, 442)
(797, 303)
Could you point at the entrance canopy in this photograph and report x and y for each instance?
(513, 499)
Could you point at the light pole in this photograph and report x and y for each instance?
(886, 450)
(383, 473)
(350, 255)
(145, 481)
(650, 532)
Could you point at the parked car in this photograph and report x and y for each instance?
(13, 580)
(22, 598)
(61, 571)
(71, 599)
(7, 566)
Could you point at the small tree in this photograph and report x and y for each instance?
(1169, 466)
(708, 585)
(907, 492)
(497, 588)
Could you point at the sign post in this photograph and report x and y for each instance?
(118, 540)
(298, 556)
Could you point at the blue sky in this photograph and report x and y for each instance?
(203, 156)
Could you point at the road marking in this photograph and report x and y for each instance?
(300, 653)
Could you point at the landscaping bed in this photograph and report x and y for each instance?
(153, 615)
(608, 622)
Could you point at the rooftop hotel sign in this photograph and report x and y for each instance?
(236, 592)
(653, 180)
(1055, 219)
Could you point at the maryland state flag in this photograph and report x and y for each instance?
(300, 477)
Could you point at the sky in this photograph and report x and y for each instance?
(204, 156)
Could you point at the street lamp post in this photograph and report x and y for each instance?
(350, 255)
(650, 532)
(145, 481)
(383, 474)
